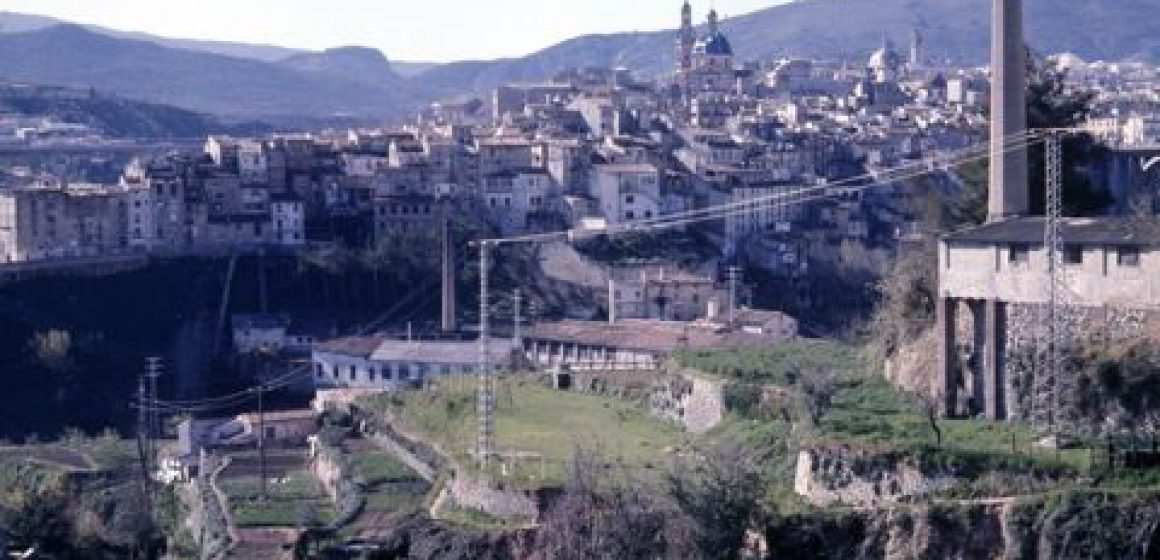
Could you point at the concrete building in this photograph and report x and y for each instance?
(269, 334)
(626, 193)
(60, 222)
(157, 208)
(640, 345)
(392, 364)
(666, 295)
(1108, 264)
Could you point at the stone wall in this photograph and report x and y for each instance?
(845, 476)
(477, 493)
(693, 401)
(389, 444)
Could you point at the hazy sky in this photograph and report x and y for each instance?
(418, 30)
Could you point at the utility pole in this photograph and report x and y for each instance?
(733, 273)
(516, 335)
(143, 406)
(485, 398)
(153, 371)
(262, 438)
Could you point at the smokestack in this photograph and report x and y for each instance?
(447, 319)
(611, 301)
(1009, 191)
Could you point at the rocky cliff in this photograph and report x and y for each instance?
(1058, 527)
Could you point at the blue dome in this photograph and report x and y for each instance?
(716, 45)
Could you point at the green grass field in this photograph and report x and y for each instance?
(389, 485)
(533, 421)
(291, 501)
(866, 410)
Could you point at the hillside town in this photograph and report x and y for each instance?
(866, 307)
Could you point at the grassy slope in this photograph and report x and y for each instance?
(286, 504)
(531, 418)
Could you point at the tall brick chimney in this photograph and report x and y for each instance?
(1009, 190)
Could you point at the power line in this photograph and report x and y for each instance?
(797, 197)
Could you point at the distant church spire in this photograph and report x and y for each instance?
(712, 22)
(917, 48)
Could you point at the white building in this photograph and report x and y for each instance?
(386, 363)
(626, 192)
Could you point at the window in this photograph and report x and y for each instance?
(1073, 254)
(1128, 256)
(353, 373)
(371, 374)
(1019, 254)
(629, 199)
(318, 370)
(629, 215)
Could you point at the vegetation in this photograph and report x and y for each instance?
(534, 421)
(676, 246)
(295, 500)
(826, 393)
(119, 117)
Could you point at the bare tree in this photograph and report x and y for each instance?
(721, 499)
(601, 515)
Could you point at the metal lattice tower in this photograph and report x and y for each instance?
(485, 394)
(1052, 387)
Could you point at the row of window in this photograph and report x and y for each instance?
(405, 372)
(1126, 256)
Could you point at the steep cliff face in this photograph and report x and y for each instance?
(826, 477)
(1075, 526)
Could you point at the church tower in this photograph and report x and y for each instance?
(713, 27)
(917, 49)
(688, 36)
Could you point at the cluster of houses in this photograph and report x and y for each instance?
(587, 143)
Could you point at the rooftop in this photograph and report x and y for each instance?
(645, 335)
(1088, 231)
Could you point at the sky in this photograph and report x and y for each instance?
(412, 30)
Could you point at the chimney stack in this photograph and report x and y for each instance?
(1008, 191)
(447, 321)
(611, 300)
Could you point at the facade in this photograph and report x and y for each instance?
(665, 295)
(1109, 266)
(157, 209)
(38, 223)
(392, 364)
(632, 345)
(626, 193)
(269, 334)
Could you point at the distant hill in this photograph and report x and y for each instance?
(844, 30)
(263, 81)
(70, 55)
(356, 64)
(13, 22)
(118, 117)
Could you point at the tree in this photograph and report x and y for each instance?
(720, 499)
(906, 303)
(1052, 103)
(599, 516)
(54, 349)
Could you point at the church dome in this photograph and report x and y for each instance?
(884, 59)
(716, 45)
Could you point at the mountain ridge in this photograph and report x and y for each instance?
(363, 82)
